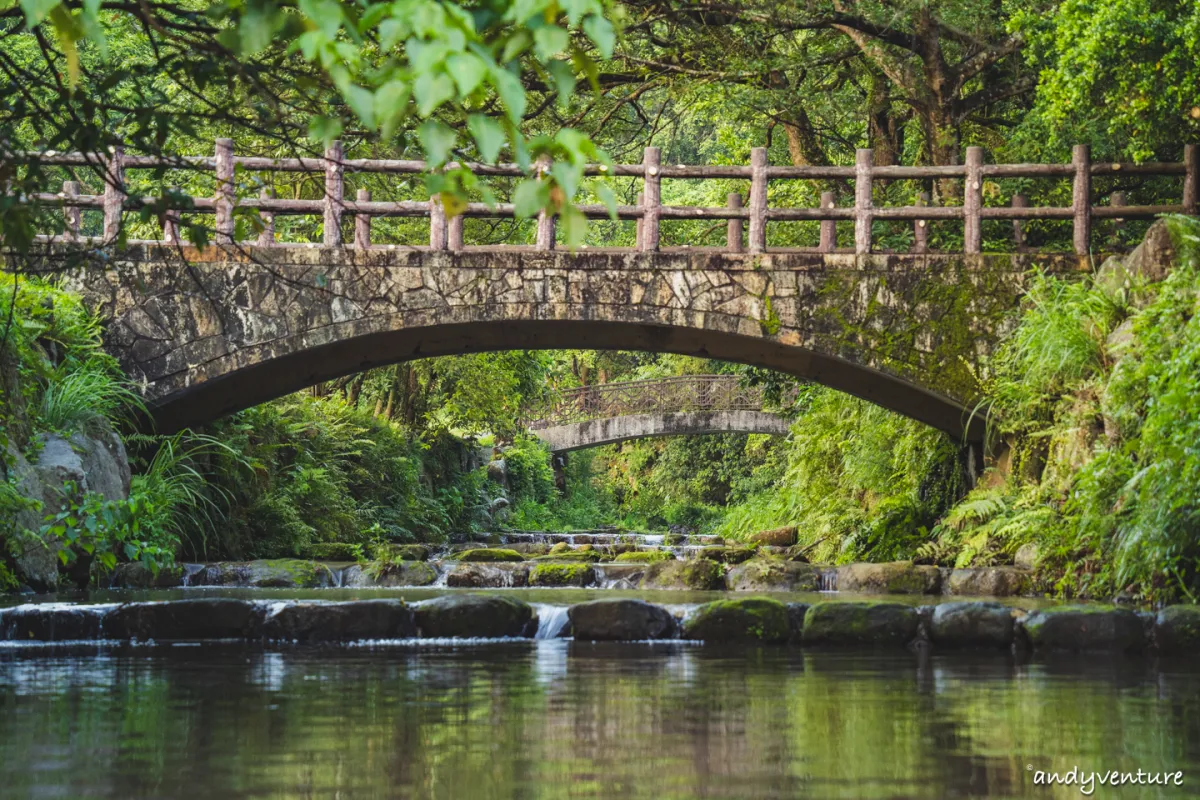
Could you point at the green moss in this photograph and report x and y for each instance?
(562, 575)
(489, 555)
(699, 574)
(745, 619)
(334, 551)
(400, 552)
(645, 557)
(588, 556)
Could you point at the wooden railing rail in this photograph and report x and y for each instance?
(663, 395)
(446, 234)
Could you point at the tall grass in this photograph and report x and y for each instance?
(77, 399)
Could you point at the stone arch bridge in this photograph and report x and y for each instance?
(209, 332)
(688, 405)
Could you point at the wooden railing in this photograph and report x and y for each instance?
(447, 234)
(665, 395)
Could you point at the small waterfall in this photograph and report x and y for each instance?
(827, 580)
(190, 571)
(552, 621)
(443, 569)
(605, 580)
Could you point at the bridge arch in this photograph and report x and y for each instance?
(211, 332)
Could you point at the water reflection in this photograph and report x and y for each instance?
(553, 719)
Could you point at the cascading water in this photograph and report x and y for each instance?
(552, 621)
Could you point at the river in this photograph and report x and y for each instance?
(559, 719)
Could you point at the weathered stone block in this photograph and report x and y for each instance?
(1084, 628)
(750, 619)
(621, 620)
(862, 624)
(698, 574)
(971, 625)
(341, 622)
(896, 577)
(475, 616)
(203, 619)
(1177, 630)
(768, 574)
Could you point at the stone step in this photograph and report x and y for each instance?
(1174, 631)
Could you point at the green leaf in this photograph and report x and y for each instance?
(431, 90)
(550, 40)
(489, 136)
(467, 70)
(601, 32)
(321, 129)
(567, 176)
(437, 140)
(530, 197)
(564, 81)
(326, 15)
(608, 198)
(574, 226)
(512, 93)
(391, 106)
(361, 102)
(517, 43)
(37, 10)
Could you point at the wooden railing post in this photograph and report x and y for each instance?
(921, 227)
(454, 233)
(334, 189)
(637, 240)
(828, 226)
(973, 202)
(1191, 178)
(733, 232)
(170, 219)
(223, 206)
(652, 189)
(362, 222)
(266, 237)
(72, 215)
(1116, 200)
(1081, 198)
(437, 224)
(864, 162)
(639, 226)
(1019, 201)
(114, 192)
(545, 220)
(758, 200)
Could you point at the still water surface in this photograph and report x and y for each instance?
(559, 719)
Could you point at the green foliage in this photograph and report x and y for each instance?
(78, 399)
(108, 531)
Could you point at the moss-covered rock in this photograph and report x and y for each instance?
(750, 619)
(674, 539)
(574, 556)
(988, 582)
(341, 622)
(862, 624)
(698, 574)
(562, 575)
(530, 549)
(282, 573)
(644, 556)
(776, 537)
(896, 577)
(772, 575)
(1177, 630)
(971, 625)
(334, 551)
(726, 554)
(49, 623)
(621, 620)
(400, 552)
(560, 547)
(475, 616)
(139, 576)
(472, 575)
(390, 573)
(1085, 628)
(489, 555)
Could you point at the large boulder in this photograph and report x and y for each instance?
(621, 620)
(1026, 556)
(698, 574)
(474, 616)
(896, 577)
(396, 573)
(772, 575)
(776, 537)
(1177, 630)
(202, 619)
(105, 464)
(341, 622)
(862, 624)
(489, 555)
(50, 623)
(971, 625)
(1085, 628)
(488, 576)
(988, 582)
(749, 619)
(1154, 257)
(562, 575)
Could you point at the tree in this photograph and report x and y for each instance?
(444, 78)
